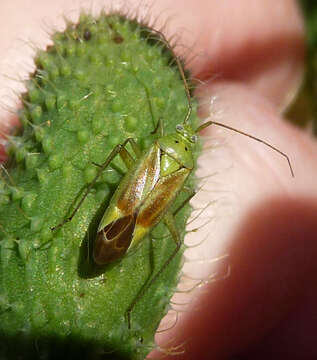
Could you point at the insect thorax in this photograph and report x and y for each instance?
(177, 153)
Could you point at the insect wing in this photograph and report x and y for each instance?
(158, 202)
(113, 240)
(139, 181)
(116, 229)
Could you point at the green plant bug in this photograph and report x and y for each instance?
(145, 194)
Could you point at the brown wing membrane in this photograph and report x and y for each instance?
(113, 240)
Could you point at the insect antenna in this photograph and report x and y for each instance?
(208, 123)
(162, 38)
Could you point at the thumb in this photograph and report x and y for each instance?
(263, 218)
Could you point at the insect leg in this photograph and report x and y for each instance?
(117, 150)
(135, 147)
(125, 155)
(170, 223)
(187, 200)
(159, 126)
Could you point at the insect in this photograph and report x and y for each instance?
(145, 194)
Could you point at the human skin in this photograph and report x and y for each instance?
(249, 56)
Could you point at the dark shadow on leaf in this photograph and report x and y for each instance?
(87, 268)
(51, 348)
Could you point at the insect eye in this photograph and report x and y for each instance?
(176, 141)
(193, 138)
(179, 127)
(186, 149)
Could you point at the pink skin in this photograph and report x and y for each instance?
(250, 56)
